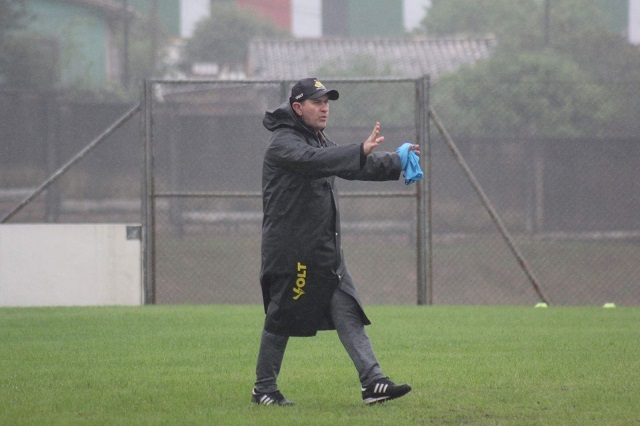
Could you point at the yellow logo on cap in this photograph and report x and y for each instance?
(319, 85)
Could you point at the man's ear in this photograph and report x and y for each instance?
(297, 108)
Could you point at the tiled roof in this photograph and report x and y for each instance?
(296, 58)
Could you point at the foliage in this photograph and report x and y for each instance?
(146, 49)
(530, 94)
(520, 22)
(518, 90)
(224, 37)
(570, 20)
(472, 17)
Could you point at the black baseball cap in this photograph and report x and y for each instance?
(310, 88)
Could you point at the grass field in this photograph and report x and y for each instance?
(194, 365)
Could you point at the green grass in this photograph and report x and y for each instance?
(195, 365)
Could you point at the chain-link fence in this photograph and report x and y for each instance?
(207, 144)
(44, 131)
(562, 178)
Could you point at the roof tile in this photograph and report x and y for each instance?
(412, 58)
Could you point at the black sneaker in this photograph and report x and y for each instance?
(270, 398)
(383, 390)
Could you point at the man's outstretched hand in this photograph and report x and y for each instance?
(375, 139)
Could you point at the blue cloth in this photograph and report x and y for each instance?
(410, 164)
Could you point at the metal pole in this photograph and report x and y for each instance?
(126, 73)
(52, 148)
(148, 208)
(284, 93)
(153, 24)
(487, 204)
(79, 156)
(422, 247)
(547, 9)
(428, 189)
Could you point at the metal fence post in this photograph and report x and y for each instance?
(76, 158)
(283, 90)
(52, 127)
(426, 82)
(148, 210)
(423, 196)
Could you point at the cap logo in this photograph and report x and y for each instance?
(309, 88)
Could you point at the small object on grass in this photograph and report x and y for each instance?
(541, 305)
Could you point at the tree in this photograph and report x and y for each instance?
(519, 22)
(582, 53)
(147, 48)
(224, 37)
(503, 18)
(578, 29)
(530, 94)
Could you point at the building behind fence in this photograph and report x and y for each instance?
(570, 203)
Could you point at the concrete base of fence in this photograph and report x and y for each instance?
(70, 265)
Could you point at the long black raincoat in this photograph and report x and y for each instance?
(302, 259)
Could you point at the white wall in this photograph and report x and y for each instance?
(634, 21)
(414, 12)
(69, 264)
(192, 11)
(306, 18)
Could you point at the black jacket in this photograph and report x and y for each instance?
(302, 260)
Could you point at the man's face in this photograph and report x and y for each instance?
(314, 112)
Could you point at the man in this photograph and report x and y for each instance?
(305, 283)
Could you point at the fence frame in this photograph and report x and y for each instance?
(76, 158)
(425, 118)
(422, 193)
